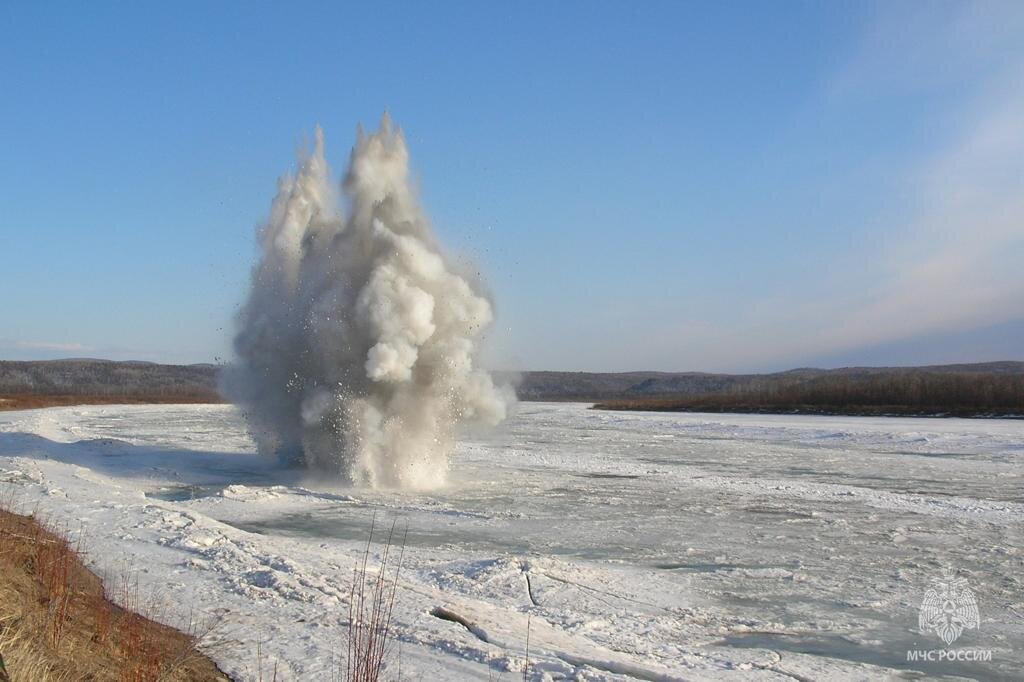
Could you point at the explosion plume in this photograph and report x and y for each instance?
(356, 346)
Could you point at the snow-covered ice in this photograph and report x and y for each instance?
(636, 545)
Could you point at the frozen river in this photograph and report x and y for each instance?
(636, 545)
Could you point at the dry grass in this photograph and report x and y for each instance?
(56, 622)
(370, 606)
(30, 401)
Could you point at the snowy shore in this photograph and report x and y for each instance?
(636, 545)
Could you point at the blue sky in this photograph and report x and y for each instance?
(710, 186)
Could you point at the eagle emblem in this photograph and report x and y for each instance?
(949, 608)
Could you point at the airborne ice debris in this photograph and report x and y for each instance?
(356, 347)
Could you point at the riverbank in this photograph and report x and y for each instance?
(32, 401)
(57, 622)
(691, 405)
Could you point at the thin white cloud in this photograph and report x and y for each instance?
(46, 346)
(919, 46)
(951, 258)
(27, 349)
(956, 265)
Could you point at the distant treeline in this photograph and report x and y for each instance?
(897, 391)
(99, 379)
(961, 390)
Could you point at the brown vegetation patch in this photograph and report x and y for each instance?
(912, 393)
(56, 622)
(29, 401)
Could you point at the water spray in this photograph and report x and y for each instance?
(357, 344)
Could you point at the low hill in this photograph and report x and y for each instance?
(69, 382)
(996, 387)
(598, 386)
(985, 389)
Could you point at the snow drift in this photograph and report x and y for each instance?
(356, 347)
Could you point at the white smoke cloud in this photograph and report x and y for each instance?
(357, 345)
